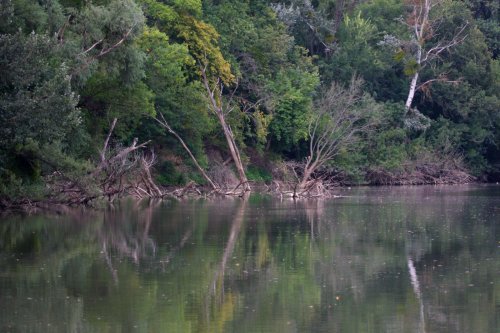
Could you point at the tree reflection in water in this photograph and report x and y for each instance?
(126, 233)
(403, 260)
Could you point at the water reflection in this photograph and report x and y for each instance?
(378, 260)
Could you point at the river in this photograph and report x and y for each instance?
(381, 259)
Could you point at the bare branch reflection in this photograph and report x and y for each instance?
(125, 233)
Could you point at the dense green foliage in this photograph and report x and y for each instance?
(69, 67)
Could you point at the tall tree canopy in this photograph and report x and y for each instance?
(68, 68)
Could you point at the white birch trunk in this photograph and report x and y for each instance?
(411, 92)
(414, 80)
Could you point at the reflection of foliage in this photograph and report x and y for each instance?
(301, 265)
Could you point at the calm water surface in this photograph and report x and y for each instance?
(415, 259)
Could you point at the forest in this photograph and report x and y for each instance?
(102, 98)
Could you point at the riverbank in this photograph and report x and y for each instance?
(109, 181)
(284, 189)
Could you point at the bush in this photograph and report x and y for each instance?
(257, 174)
(167, 174)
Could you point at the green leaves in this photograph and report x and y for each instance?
(106, 98)
(293, 89)
(37, 105)
(68, 67)
(411, 67)
(201, 38)
(36, 98)
(192, 7)
(272, 69)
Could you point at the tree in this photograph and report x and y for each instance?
(221, 111)
(423, 47)
(487, 15)
(109, 66)
(181, 21)
(273, 72)
(340, 117)
(48, 53)
(37, 104)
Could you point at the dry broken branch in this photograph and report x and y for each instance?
(165, 124)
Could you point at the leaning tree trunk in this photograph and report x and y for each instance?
(235, 154)
(411, 92)
(306, 176)
(414, 81)
(219, 111)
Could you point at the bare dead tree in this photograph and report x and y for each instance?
(119, 171)
(146, 163)
(221, 110)
(118, 240)
(340, 115)
(423, 29)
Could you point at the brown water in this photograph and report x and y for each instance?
(406, 259)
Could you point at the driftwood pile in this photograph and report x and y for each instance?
(123, 172)
(420, 174)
